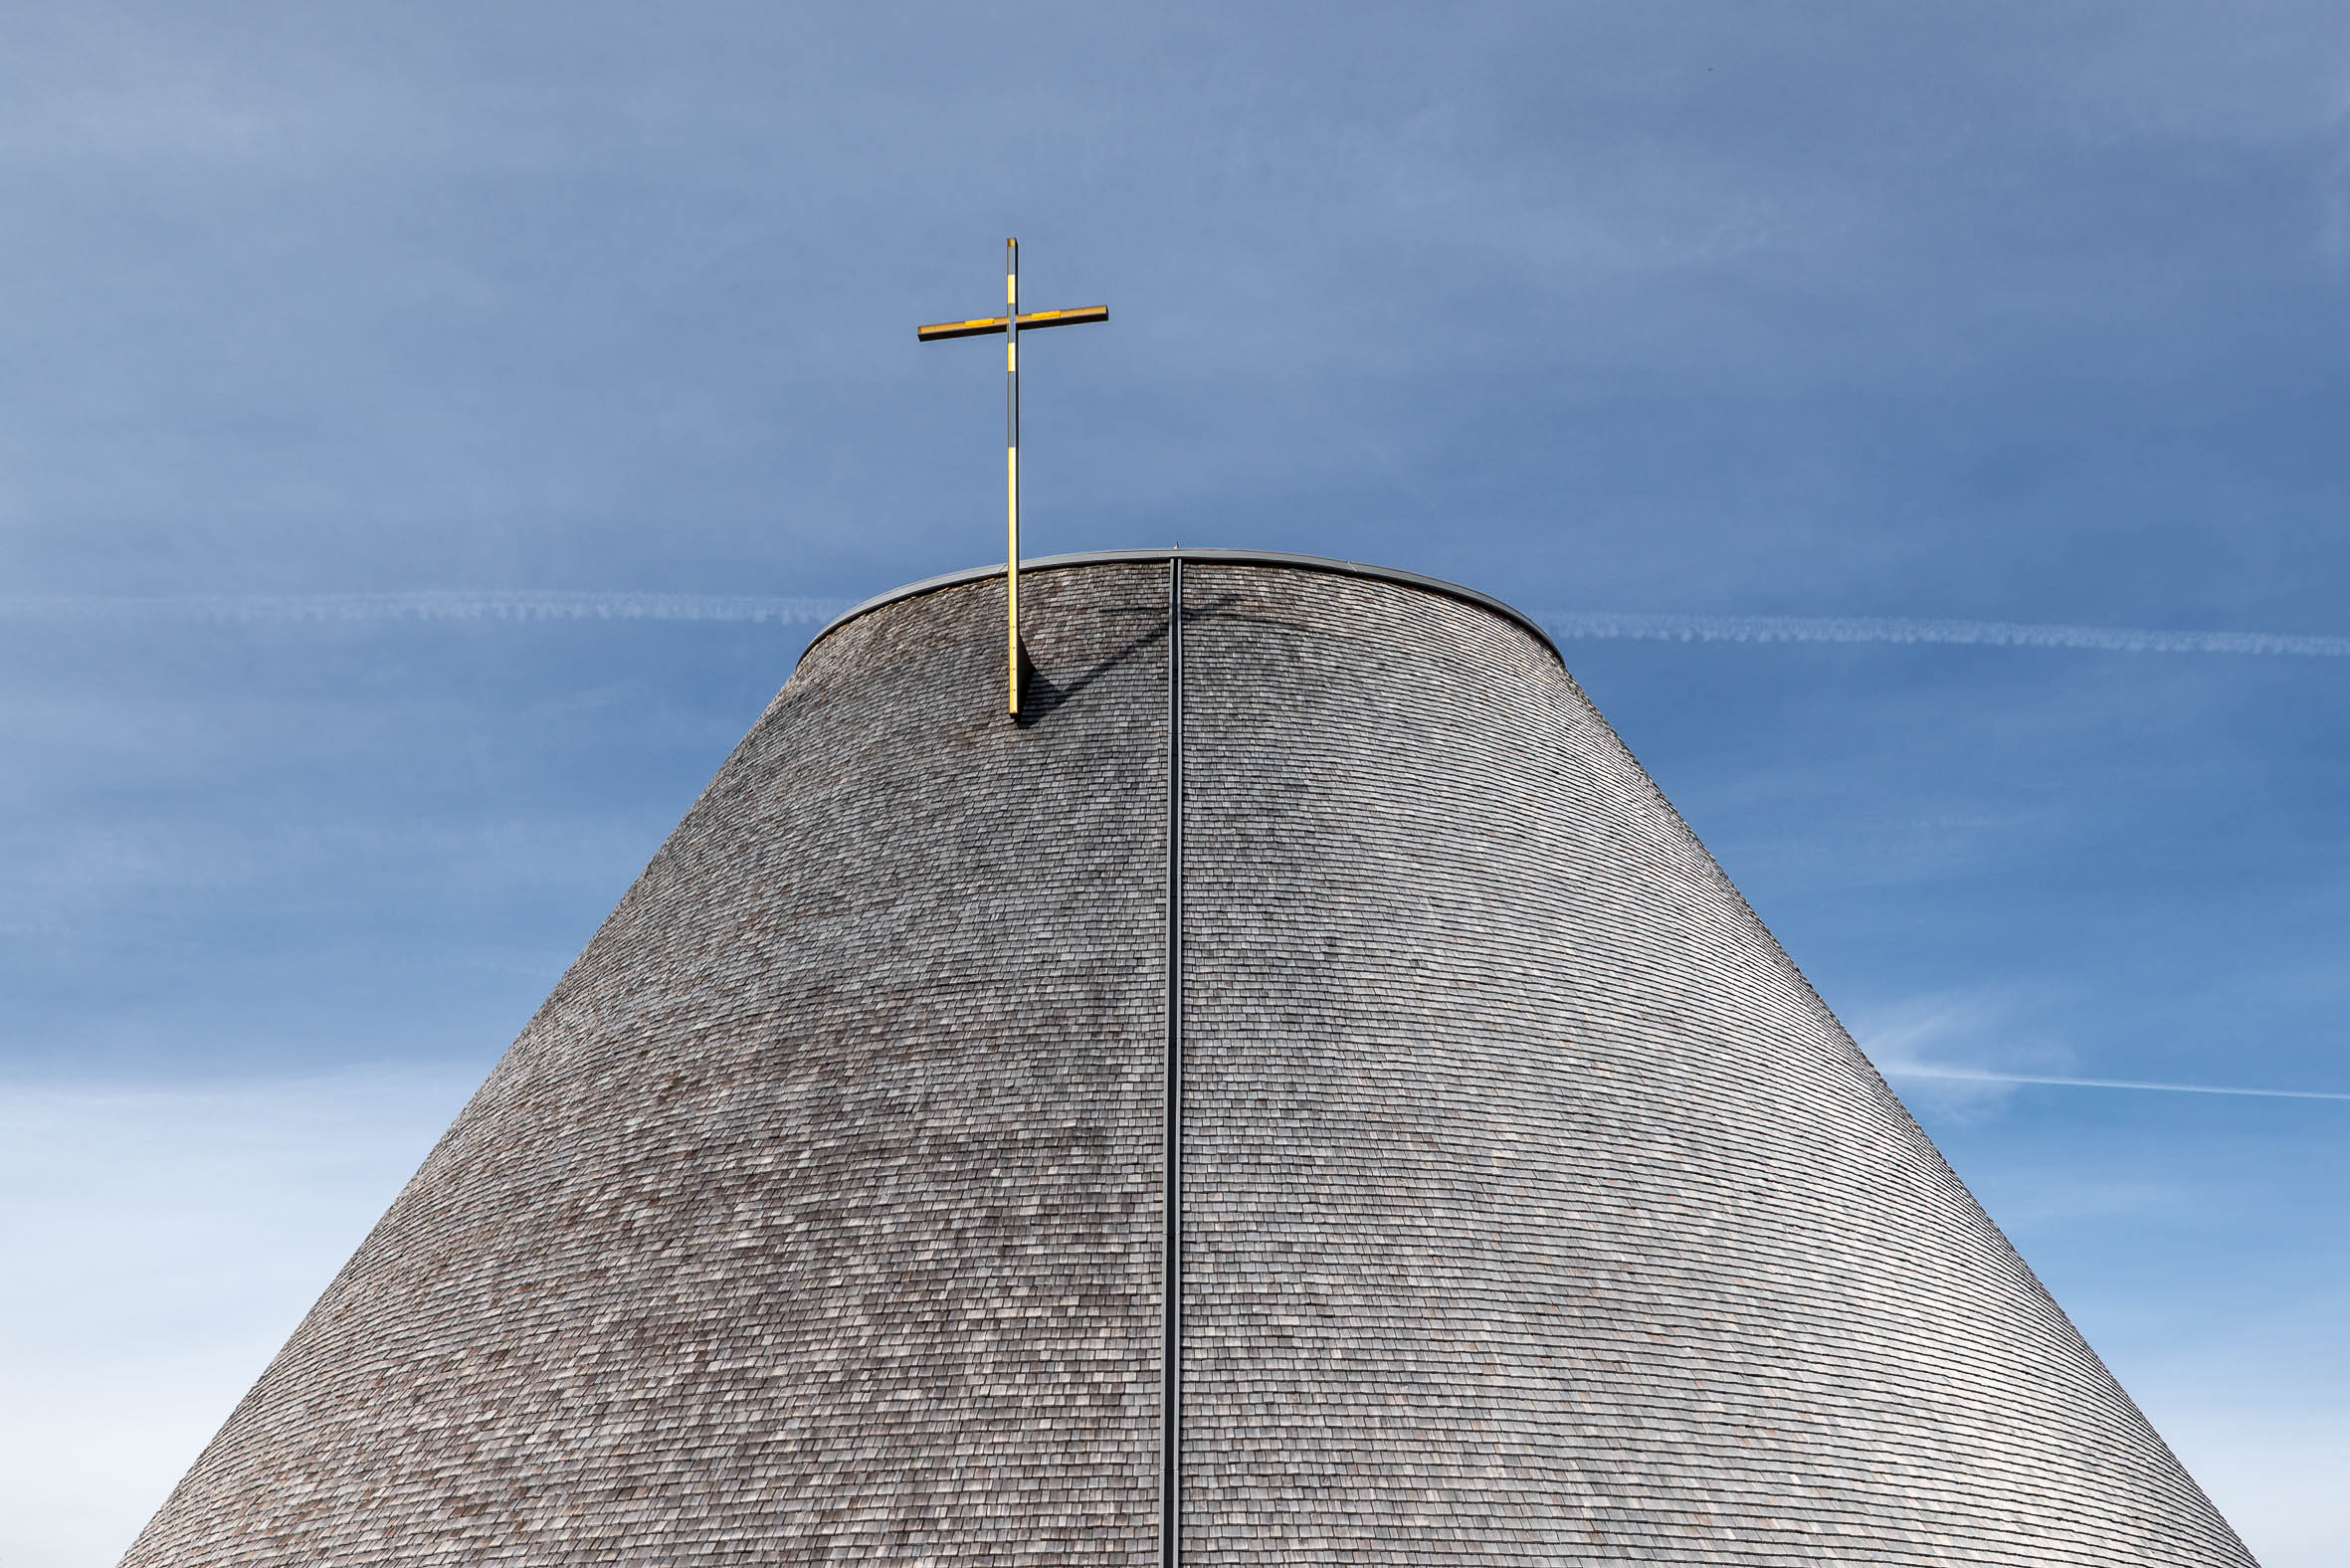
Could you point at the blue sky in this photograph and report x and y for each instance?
(362, 362)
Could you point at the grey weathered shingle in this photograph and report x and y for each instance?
(1538, 1211)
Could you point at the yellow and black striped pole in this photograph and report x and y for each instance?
(1010, 325)
(1012, 474)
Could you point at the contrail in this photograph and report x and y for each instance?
(1566, 624)
(429, 605)
(1970, 1075)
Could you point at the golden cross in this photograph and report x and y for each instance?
(1012, 323)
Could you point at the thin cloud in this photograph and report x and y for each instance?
(1974, 1076)
(1567, 623)
(432, 605)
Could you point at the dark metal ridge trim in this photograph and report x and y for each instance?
(1308, 563)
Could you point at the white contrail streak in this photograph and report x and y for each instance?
(1565, 625)
(1568, 624)
(1969, 1076)
(430, 605)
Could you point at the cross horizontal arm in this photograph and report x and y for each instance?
(1030, 320)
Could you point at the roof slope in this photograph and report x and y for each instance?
(1537, 1211)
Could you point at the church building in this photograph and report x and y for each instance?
(1297, 1094)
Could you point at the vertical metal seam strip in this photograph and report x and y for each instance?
(1171, 1199)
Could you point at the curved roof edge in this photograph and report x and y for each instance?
(1309, 563)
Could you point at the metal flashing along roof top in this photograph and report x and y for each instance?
(1309, 563)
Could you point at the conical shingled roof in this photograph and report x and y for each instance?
(1534, 1208)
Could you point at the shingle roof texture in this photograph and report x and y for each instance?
(1537, 1210)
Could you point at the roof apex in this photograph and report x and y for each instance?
(1308, 563)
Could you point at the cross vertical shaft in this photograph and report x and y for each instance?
(1012, 475)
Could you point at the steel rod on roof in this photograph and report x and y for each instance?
(1171, 1193)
